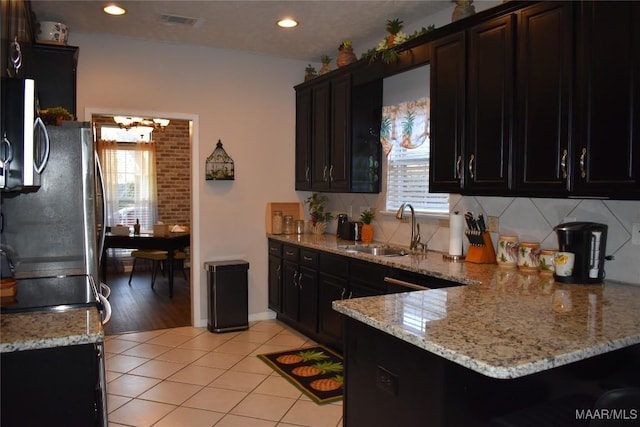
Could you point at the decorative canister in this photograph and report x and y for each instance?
(546, 265)
(276, 222)
(507, 253)
(299, 226)
(287, 226)
(528, 256)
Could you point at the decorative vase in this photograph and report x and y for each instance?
(324, 69)
(318, 227)
(346, 57)
(463, 9)
(367, 233)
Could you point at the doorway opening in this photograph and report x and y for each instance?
(149, 178)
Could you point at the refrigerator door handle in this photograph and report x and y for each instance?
(40, 163)
(103, 208)
(107, 309)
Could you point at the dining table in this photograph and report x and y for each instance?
(169, 242)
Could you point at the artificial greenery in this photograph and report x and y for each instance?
(316, 203)
(367, 216)
(387, 49)
(50, 115)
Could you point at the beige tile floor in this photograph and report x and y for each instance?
(190, 377)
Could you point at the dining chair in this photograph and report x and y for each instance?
(157, 257)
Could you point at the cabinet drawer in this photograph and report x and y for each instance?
(369, 274)
(275, 248)
(419, 280)
(291, 253)
(335, 265)
(309, 258)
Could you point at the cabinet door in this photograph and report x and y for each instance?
(290, 293)
(303, 139)
(339, 151)
(606, 150)
(55, 75)
(544, 64)
(447, 114)
(330, 288)
(489, 106)
(321, 104)
(308, 302)
(275, 283)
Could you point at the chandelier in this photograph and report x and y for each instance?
(141, 125)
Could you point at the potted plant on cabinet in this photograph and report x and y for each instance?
(319, 216)
(367, 228)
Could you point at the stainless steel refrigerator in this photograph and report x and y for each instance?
(56, 230)
(52, 234)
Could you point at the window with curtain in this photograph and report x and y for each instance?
(130, 182)
(404, 136)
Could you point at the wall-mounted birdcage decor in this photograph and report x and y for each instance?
(219, 166)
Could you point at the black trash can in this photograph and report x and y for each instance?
(228, 305)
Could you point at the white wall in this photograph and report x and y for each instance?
(246, 100)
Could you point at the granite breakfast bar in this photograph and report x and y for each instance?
(470, 354)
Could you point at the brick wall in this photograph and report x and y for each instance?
(173, 170)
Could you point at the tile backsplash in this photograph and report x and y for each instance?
(531, 219)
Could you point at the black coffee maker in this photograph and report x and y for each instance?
(342, 232)
(587, 241)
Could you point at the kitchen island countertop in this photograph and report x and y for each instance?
(47, 329)
(505, 323)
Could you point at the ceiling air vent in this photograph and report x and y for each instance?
(178, 20)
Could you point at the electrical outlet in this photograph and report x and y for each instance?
(635, 233)
(493, 224)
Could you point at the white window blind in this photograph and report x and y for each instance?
(405, 137)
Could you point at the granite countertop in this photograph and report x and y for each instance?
(505, 323)
(46, 329)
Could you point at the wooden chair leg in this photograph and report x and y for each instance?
(154, 267)
(133, 267)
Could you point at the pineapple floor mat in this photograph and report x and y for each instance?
(316, 371)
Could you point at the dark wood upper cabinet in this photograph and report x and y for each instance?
(303, 139)
(339, 159)
(490, 90)
(448, 80)
(332, 155)
(544, 65)
(471, 110)
(55, 70)
(321, 132)
(605, 150)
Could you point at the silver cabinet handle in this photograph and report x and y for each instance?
(406, 284)
(471, 166)
(342, 293)
(324, 173)
(331, 173)
(583, 155)
(458, 170)
(306, 174)
(278, 271)
(563, 163)
(307, 258)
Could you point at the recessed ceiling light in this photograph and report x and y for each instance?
(287, 23)
(113, 9)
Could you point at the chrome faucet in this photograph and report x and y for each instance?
(415, 232)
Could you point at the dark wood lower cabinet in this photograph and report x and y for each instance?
(52, 387)
(391, 383)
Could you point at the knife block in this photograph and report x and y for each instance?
(484, 254)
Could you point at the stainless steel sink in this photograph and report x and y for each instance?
(375, 250)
